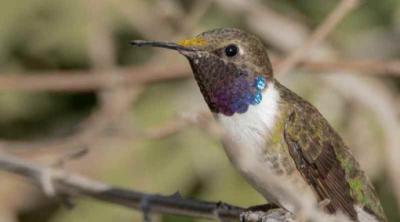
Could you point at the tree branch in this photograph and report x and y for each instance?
(363, 66)
(54, 182)
(85, 80)
(333, 19)
(77, 81)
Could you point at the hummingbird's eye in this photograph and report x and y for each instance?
(231, 50)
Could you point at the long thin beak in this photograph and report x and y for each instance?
(168, 45)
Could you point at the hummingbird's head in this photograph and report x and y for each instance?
(231, 67)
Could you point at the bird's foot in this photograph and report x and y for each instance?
(256, 211)
(273, 215)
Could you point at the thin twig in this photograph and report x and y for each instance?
(76, 81)
(366, 66)
(328, 25)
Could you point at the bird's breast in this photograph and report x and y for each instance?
(249, 132)
(252, 149)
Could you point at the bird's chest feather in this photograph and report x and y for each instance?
(252, 147)
(249, 132)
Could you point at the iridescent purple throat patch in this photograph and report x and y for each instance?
(236, 95)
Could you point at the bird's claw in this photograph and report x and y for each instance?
(256, 212)
(246, 216)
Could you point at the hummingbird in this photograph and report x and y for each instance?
(270, 127)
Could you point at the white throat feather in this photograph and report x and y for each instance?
(250, 130)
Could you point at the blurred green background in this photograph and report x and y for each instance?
(47, 37)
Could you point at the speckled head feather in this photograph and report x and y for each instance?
(231, 67)
(230, 83)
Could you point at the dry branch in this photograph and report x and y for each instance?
(55, 182)
(333, 19)
(76, 81)
(362, 66)
(85, 81)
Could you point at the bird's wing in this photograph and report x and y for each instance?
(324, 161)
(311, 143)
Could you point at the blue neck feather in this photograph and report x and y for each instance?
(238, 94)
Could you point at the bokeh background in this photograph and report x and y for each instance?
(70, 81)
